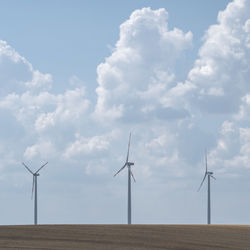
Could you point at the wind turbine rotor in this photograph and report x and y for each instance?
(41, 167)
(27, 168)
(33, 186)
(128, 147)
(132, 175)
(120, 169)
(206, 158)
(127, 163)
(202, 182)
(206, 172)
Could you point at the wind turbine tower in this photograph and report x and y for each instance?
(208, 174)
(34, 189)
(128, 164)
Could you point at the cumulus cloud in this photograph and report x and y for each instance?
(140, 89)
(220, 81)
(135, 80)
(69, 107)
(221, 73)
(87, 146)
(17, 74)
(42, 149)
(40, 116)
(230, 157)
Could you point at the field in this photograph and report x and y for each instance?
(121, 237)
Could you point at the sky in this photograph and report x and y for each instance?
(78, 76)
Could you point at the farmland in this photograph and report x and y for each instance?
(135, 237)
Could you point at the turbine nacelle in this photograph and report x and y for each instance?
(130, 164)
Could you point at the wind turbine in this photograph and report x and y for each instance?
(34, 188)
(208, 174)
(128, 164)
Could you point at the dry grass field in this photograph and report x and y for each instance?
(121, 237)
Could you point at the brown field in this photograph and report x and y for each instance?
(120, 237)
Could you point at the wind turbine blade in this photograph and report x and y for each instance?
(128, 147)
(132, 175)
(213, 177)
(202, 182)
(33, 185)
(27, 168)
(41, 167)
(206, 158)
(120, 169)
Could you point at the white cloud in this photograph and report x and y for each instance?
(69, 107)
(17, 74)
(231, 155)
(135, 80)
(244, 110)
(220, 80)
(87, 146)
(43, 150)
(39, 80)
(139, 86)
(43, 123)
(221, 74)
(139, 89)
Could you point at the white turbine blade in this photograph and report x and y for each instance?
(41, 167)
(33, 185)
(120, 169)
(202, 182)
(27, 168)
(132, 175)
(206, 158)
(213, 177)
(128, 147)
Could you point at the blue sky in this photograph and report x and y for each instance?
(79, 34)
(77, 76)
